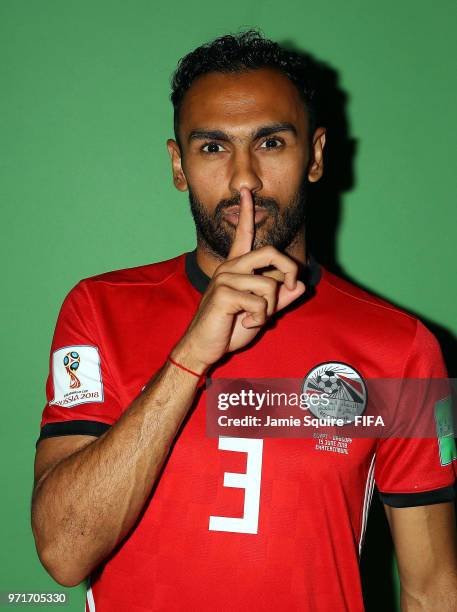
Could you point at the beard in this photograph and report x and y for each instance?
(216, 235)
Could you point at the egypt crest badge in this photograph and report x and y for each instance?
(341, 391)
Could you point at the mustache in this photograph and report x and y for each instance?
(269, 204)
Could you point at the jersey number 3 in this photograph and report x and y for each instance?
(249, 481)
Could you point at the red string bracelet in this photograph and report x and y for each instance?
(178, 365)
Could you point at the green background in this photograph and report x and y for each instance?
(86, 185)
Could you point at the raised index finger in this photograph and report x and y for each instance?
(244, 233)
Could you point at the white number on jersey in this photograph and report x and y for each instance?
(249, 481)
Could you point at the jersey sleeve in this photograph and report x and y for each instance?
(421, 471)
(81, 397)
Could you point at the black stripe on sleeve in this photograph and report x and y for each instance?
(426, 498)
(73, 428)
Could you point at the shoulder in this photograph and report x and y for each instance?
(152, 274)
(381, 319)
(363, 300)
(101, 287)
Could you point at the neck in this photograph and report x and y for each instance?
(208, 261)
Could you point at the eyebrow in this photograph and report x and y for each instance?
(266, 130)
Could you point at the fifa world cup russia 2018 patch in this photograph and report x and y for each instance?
(77, 376)
(342, 389)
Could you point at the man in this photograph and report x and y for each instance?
(130, 493)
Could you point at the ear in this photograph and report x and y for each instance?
(179, 178)
(316, 167)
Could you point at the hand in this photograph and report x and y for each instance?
(237, 302)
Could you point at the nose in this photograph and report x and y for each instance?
(244, 173)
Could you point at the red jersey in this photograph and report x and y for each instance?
(235, 523)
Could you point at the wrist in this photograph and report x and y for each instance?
(185, 357)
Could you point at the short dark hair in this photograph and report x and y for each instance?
(248, 50)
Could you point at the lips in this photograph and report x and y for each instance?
(232, 214)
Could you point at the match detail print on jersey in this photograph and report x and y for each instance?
(76, 376)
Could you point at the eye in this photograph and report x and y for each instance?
(211, 147)
(271, 143)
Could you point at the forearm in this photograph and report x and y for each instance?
(86, 503)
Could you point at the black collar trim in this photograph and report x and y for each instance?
(311, 276)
